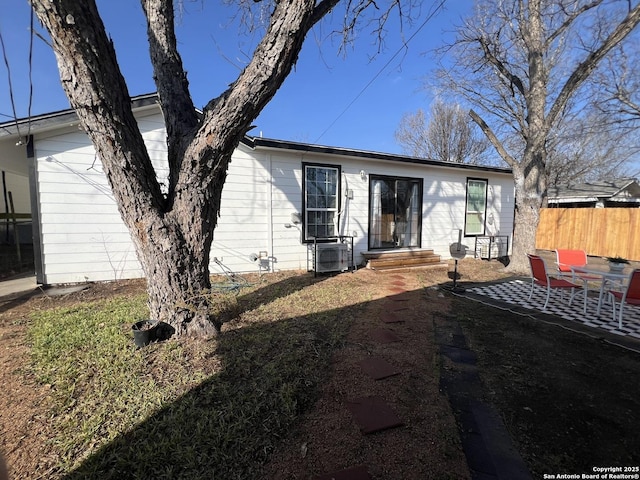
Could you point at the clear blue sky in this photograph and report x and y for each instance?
(353, 101)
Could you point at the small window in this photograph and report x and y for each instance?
(476, 207)
(321, 201)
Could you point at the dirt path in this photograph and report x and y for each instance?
(427, 444)
(328, 439)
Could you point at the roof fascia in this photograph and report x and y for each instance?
(62, 118)
(269, 143)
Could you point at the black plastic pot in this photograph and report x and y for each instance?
(145, 332)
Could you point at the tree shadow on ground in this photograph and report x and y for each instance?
(565, 392)
(228, 425)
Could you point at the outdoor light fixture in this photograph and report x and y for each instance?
(363, 175)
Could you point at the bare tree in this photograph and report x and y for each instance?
(448, 136)
(585, 149)
(616, 86)
(173, 232)
(520, 64)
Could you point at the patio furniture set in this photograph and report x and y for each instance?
(574, 274)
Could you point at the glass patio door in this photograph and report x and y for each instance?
(395, 216)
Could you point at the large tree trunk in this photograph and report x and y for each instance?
(173, 250)
(172, 232)
(530, 36)
(530, 188)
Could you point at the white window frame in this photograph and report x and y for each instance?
(471, 210)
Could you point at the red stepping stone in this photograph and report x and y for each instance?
(403, 296)
(378, 368)
(372, 414)
(399, 283)
(397, 290)
(382, 335)
(354, 473)
(397, 277)
(392, 317)
(390, 306)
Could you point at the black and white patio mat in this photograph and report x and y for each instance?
(516, 293)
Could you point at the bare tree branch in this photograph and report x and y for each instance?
(497, 144)
(569, 19)
(514, 80)
(585, 68)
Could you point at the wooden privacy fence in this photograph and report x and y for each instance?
(602, 232)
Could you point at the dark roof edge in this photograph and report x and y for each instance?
(52, 119)
(254, 142)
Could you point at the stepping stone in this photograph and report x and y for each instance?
(353, 473)
(459, 355)
(391, 306)
(378, 368)
(392, 317)
(399, 283)
(397, 290)
(394, 297)
(372, 414)
(397, 277)
(383, 335)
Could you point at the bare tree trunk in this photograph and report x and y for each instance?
(512, 51)
(174, 250)
(172, 232)
(530, 188)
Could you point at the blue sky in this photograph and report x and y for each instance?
(355, 101)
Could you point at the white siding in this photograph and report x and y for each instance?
(82, 235)
(244, 221)
(84, 238)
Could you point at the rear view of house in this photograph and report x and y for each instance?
(285, 205)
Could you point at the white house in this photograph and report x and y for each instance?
(279, 195)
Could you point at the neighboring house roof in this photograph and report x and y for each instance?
(619, 191)
(50, 121)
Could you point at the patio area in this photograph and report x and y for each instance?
(514, 295)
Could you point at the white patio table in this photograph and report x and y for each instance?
(586, 273)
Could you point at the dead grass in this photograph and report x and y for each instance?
(266, 398)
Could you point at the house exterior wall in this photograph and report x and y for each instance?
(84, 239)
(266, 189)
(82, 235)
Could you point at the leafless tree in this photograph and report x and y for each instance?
(520, 63)
(173, 232)
(616, 86)
(449, 135)
(586, 149)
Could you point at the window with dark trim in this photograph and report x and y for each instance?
(395, 212)
(321, 200)
(476, 207)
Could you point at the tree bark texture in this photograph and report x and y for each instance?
(172, 233)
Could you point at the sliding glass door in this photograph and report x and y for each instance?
(395, 212)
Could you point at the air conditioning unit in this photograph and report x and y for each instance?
(331, 257)
(489, 252)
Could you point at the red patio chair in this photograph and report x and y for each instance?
(540, 277)
(567, 258)
(630, 295)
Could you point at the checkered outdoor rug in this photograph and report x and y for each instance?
(516, 292)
